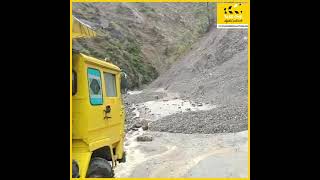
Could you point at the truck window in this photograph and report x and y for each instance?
(74, 83)
(95, 90)
(110, 81)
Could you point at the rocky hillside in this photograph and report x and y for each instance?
(212, 75)
(215, 70)
(143, 39)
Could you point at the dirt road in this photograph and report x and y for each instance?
(187, 155)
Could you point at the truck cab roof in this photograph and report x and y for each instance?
(99, 62)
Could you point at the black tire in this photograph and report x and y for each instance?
(100, 168)
(75, 169)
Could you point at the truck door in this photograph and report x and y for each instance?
(96, 121)
(104, 93)
(112, 99)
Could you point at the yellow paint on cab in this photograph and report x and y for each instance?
(91, 129)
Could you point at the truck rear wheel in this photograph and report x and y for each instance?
(99, 168)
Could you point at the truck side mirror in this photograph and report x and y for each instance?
(124, 82)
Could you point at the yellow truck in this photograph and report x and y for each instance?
(98, 113)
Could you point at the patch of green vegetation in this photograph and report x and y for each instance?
(125, 53)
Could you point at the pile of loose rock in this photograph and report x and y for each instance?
(219, 120)
(133, 120)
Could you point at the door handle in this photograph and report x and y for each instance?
(107, 110)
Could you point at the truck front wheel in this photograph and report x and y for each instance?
(99, 168)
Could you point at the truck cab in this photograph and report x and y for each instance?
(98, 117)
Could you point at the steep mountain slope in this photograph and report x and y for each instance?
(215, 70)
(143, 39)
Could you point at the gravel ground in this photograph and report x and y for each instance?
(219, 120)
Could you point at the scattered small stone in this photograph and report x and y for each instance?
(144, 138)
(227, 119)
(145, 125)
(188, 109)
(138, 125)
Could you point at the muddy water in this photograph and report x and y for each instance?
(162, 108)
